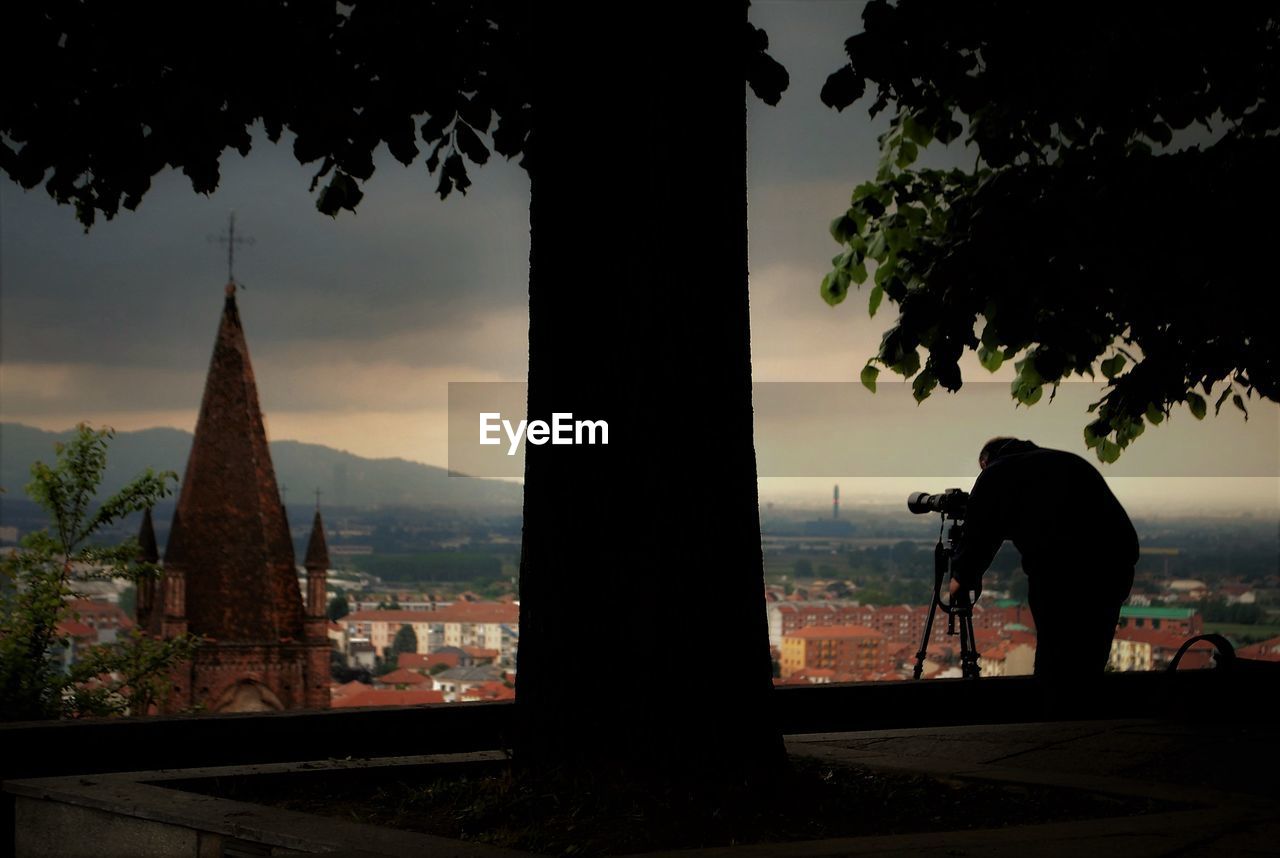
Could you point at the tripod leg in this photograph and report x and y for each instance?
(941, 562)
(924, 640)
(968, 648)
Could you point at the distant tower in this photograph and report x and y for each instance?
(317, 622)
(229, 571)
(147, 553)
(835, 502)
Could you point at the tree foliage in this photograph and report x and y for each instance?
(40, 579)
(1110, 222)
(406, 640)
(338, 607)
(109, 99)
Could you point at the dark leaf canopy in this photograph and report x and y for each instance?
(1114, 219)
(103, 96)
(767, 77)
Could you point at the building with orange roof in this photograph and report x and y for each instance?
(1152, 649)
(843, 649)
(456, 682)
(401, 677)
(1268, 650)
(495, 690)
(347, 689)
(1007, 658)
(107, 620)
(413, 661)
(898, 623)
(480, 655)
(491, 626)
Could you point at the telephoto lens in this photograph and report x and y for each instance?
(950, 503)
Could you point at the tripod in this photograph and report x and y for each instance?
(959, 611)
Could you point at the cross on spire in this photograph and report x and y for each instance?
(231, 240)
(318, 493)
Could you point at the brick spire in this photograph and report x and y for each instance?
(230, 538)
(317, 564)
(317, 550)
(147, 550)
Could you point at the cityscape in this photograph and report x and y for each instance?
(624, 389)
(419, 604)
(422, 605)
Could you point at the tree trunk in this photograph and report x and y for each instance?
(643, 632)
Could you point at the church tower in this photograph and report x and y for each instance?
(229, 573)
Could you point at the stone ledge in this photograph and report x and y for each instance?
(38, 749)
(135, 814)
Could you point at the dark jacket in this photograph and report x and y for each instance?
(1058, 511)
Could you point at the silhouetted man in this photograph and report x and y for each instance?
(1077, 544)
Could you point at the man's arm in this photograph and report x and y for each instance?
(984, 532)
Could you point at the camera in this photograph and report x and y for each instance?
(951, 503)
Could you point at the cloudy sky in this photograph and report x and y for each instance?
(357, 325)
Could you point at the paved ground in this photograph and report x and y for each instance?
(1222, 778)
(1228, 775)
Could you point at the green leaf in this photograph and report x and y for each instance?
(916, 130)
(991, 359)
(1026, 369)
(869, 376)
(843, 228)
(1197, 405)
(1108, 451)
(1111, 367)
(873, 302)
(1154, 414)
(1095, 432)
(858, 273)
(908, 365)
(1027, 388)
(879, 244)
(907, 153)
(831, 289)
(886, 270)
(1128, 431)
(923, 385)
(866, 189)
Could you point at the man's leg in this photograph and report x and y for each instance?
(1073, 646)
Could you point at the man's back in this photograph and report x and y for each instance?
(1056, 509)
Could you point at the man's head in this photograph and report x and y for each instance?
(1000, 446)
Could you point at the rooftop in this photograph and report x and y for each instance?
(833, 633)
(1161, 613)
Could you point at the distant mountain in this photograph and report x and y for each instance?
(343, 478)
